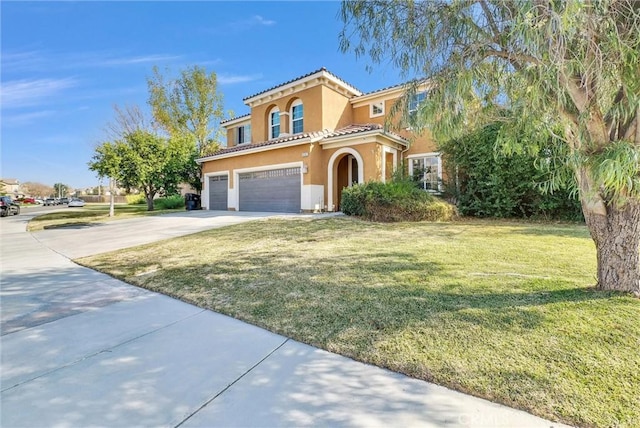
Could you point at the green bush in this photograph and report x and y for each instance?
(487, 183)
(138, 199)
(394, 201)
(169, 202)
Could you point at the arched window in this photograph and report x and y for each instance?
(274, 123)
(297, 117)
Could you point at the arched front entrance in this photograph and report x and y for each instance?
(345, 169)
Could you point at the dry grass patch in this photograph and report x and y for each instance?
(501, 310)
(91, 213)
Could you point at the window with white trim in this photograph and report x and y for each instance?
(415, 101)
(376, 109)
(243, 134)
(427, 171)
(274, 123)
(297, 117)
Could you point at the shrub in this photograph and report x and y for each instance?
(398, 200)
(138, 199)
(169, 202)
(353, 200)
(488, 183)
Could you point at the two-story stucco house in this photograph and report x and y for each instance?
(307, 139)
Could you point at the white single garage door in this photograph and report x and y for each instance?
(218, 190)
(275, 190)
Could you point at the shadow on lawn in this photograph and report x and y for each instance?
(73, 225)
(577, 231)
(318, 300)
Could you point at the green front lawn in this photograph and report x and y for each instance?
(501, 310)
(91, 213)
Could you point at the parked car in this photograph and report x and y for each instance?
(64, 201)
(7, 206)
(50, 201)
(39, 201)
(75, 202)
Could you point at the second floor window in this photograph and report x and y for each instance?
(243, 134)
(297, 120)
(376, 109)
(415, 101)
(274, 123)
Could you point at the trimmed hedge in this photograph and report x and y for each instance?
(393, 202)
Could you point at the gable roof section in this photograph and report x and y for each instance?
(360, 131)
(309, 78)
(369, 128)
(234, 119)
(421, 85)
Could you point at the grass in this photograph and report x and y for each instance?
(500, 310)
(91, 213)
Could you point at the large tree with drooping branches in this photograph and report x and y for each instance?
(546, 69)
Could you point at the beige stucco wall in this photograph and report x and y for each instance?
(311, 100)
(336, 111)
(261, 159)
(423, 143)
(231, 140)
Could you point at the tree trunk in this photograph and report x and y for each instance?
(112, 198)
(617, 238)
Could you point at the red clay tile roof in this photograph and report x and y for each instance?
(381, 90)
(234, 118)
(347, 130)
(263, 143)
(298, 78)
(356, 128)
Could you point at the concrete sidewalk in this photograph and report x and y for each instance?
(79, 348)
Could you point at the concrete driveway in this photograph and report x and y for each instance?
(79, 348)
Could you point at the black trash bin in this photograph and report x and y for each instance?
(192, 201)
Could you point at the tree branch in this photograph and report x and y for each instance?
(490, 20)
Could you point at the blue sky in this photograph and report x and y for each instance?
(66, 64)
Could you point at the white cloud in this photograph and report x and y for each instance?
(20, 93)
(243, 24)
(37, 60)
(20, 61)
(133, 60)
(23, 119)
(226, 79)
(262, 21)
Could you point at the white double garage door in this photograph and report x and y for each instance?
(274, 190)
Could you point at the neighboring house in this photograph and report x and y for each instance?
(307, 139)
(10, 187)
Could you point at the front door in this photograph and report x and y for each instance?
(347, 175)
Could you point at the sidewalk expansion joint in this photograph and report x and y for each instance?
(102, 351)
(206, 403)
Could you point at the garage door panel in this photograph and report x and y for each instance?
(276, 190)
(218, 192)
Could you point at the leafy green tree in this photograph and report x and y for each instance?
(106, 161)
(189, 106)
(145, 161)
(569, 65)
